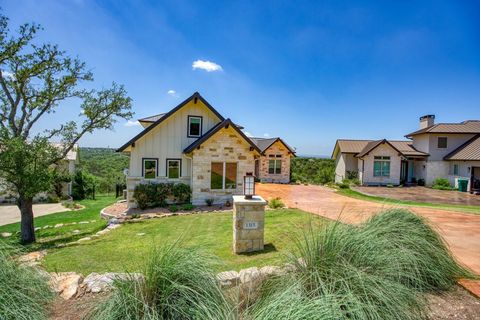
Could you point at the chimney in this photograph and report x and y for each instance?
(427, 121)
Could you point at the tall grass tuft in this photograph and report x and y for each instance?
(377, 270)
(178, 283)
(24, 292)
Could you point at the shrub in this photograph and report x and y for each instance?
(372, 271)
(421, 182)
(173, 208)
(276, 203)
(51, 198)
(141, 195)
(178, 284)
(188, 207)
(312, 170)
(182, 192)
(209, 201)
(441, 184)
(24, 292)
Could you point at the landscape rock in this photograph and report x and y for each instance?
(113, 221)
(113, 226)
(271, 271)
(58, 225)
(6, 234)
(249, 274)
(96, 282)
(84, 239)
(83, 222)
(141, 234)
(228, 279)
(65, 283)
(76, 231)
(32, 258)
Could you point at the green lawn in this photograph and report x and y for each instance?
(47, 238)
(124, 250)
(454, 207)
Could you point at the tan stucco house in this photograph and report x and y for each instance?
(443, 150)
(194, 144)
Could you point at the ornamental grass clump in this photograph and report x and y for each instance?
(377, 270)
(177, 283)
(24, 292)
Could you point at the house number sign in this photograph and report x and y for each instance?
(250, 225)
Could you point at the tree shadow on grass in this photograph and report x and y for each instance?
(268, 247)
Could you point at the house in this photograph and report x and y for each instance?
(67, 165)
(442, 150)
(194, 144)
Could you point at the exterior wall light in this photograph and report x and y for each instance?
(249, 185)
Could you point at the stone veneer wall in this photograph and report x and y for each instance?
(224, 146)
(284, 176)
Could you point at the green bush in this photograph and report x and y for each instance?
(173, 208)
(24, 292)
(148, 195)
(442, 184)
(188, 207)
(312, 170)
(275, 203)
(373, 271)
(178, 284)
(182, 192)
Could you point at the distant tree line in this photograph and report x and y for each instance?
(312, 170)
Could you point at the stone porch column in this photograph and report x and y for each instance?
(248, 224)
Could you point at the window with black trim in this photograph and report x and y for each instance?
(174, 167)
(274, 166)
(223, 175)
(150, 168)
(442, 142)
(194, 126)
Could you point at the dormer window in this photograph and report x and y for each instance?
(194, 126)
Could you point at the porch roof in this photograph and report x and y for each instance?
(469, 151)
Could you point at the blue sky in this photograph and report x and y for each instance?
(308, 71)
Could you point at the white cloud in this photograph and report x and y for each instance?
(206, 65)
(172, 93)
(266, 135)
(248, 134)
(131, 123)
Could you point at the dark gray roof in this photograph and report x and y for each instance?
(264, 143)
(152, 118)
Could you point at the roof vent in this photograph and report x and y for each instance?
(427, 121)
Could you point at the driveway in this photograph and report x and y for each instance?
(11, 213)
(460, 230)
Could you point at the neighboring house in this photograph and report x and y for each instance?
(196, 145)
(443, 150)
(67, 165)
(274, 164)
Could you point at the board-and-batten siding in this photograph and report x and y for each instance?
(169, 139)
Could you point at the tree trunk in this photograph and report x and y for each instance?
(27, 228)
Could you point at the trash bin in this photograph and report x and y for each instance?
(462, 185)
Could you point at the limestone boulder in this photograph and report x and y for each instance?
(249, 274)
(96, 282)
(228, 279)
(66, 284)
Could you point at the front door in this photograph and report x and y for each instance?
(475, 181)
(403, 171)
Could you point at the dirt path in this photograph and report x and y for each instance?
(461, 231)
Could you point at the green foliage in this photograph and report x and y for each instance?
(188, 207)
(209, 201)
(275, 203)
(178, 283)
(173, 208)
(59, 177)
(312, 170)
(83, 185)
(24, 292)
(372, 271)
(442, 184)
(149, 195)
(106, 165)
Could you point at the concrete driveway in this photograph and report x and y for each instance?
(461, 231)
(11, 213)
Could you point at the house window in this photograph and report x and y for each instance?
(442, 142)
(194, 126)
(381, 166)
(223, 175)
(174, 168)
(455, 169)
(150, 168)
(274, 166)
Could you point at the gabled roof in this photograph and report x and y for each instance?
(264, 143)
(362, 147)
(152, 118)
(470, 150)
(469, 126)
(165, 116)
(224, 124)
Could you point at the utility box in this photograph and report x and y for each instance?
(248, 224)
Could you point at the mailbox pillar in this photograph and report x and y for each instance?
(248, 223)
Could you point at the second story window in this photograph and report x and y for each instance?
(194, 126)
(442, 142)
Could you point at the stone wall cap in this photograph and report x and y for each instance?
(254, 200)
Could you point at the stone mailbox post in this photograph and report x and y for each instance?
(248, 223)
